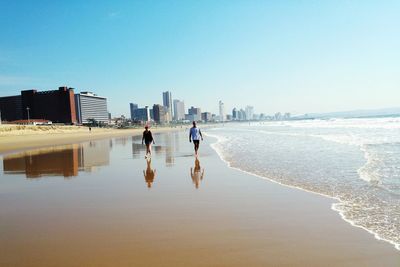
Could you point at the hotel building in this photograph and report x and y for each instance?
(90, 106)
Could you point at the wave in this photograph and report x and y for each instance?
(343, 207)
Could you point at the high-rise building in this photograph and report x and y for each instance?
(242, 115)
(167, 102)
(249, 112)
(142, 114)
(132, 108)
(278, 116)
(160, 113)
(11, 108)
(90, 106)
(179, 110)
(206, 116)
(286, 116)
(235, 114)
(221, 111)
(55, 105)
(195, 113)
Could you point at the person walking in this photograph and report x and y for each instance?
(195, 135)
(148, 140)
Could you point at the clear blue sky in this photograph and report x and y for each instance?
(295, 56)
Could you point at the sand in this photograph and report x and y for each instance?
(14, 137)
(110, 217)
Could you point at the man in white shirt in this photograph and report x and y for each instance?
(195, 135)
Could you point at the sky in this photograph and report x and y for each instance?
(287, 56)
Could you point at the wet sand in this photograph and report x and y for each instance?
(102, 205)
(15, 140)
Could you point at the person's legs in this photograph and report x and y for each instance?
(148, 149)
(196, 146)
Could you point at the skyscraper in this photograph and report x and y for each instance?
(249, 112)
(132, 107)
(221, 111)
(206, 116)
(142, 114)
(179, 110)
(194, 114)
(242, 115)
(160, 113)
(234, 114)
(167, 102)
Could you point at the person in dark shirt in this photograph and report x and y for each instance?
(148, 140)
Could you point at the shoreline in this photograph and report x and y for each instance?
(233, 218)
(333, 204)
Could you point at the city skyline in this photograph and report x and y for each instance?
(303, 57)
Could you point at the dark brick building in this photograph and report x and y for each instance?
(57, 106)
(11, 108)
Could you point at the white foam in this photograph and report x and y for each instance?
(334, 206)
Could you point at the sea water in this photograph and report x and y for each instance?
(354, 161)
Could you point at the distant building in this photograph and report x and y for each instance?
(221, 111)
(278, 116)
(235, 114)
(132, 108)
(167, 102)
(160, 113)
(242, 115)
(206, 116)
(142, 114)
(229, 117)
(286, 116)
(195, 112)
(90, 106)
(179, 110)
(249, 112)
(190, 117)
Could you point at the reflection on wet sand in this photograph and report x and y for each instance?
(168, 148)
(149, 174)
(197, 173)
(64, 161)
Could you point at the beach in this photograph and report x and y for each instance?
(19, 137)
(102, 204)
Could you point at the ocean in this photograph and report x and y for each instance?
(354, 161)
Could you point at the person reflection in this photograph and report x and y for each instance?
(197, 173)
(149, 174)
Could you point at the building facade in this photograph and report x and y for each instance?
(221, 111)
(10, 108)
(249, 112)
(179, 110)
(57, 106)
(90, 106)
(142, 114)
(206, 116)
(160, 113)
(235, 114)
(167, 102)
(195, 113)
(132, 108)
